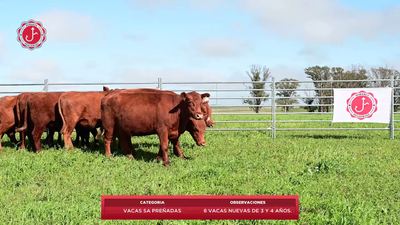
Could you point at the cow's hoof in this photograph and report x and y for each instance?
(167, 164)
(159, 158)
(131, 157)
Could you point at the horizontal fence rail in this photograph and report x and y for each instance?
(228, 98)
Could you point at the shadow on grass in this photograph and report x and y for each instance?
(9, 144)
(319, 136)
(142, 149)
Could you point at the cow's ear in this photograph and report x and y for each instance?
(106, 88)
(205, 97)
(183, 96)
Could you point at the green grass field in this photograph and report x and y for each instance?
(342, 177)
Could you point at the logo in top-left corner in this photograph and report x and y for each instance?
(31, 34)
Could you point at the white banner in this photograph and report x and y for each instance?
(366, 105)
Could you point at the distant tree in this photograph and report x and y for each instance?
(356, 73)
(257, 73)
(309, 100)
(381, 73)
(317, 74)
(292, 85)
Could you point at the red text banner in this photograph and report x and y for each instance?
(196, 207)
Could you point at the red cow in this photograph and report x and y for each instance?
(38, 110)
(145, 113)
(81, 110)
(8, 118)
(196, 128)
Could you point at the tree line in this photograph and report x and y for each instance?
(286, 89)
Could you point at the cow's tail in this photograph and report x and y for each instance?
(18, 115)
(61, 114)
(25, 125)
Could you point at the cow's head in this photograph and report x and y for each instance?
(197, 128)
(206, 109)
(193, 101)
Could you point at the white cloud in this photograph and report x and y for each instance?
(38, 70)
(221, 47)
(317, 21)
(68, 26)
(313, 54)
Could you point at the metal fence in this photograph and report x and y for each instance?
(220, 95)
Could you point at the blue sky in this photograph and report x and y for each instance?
(196, 40)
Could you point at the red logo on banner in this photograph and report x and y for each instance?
(31, 34)
(362, 105)
(206, 207)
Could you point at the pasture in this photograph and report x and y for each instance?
(342, 177)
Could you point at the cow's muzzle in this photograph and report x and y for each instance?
(199, 116)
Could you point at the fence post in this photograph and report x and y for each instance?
(273, 109)
(159, 83)
(392, 109)
(46, 85)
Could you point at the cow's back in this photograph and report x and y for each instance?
(142, 113)
(43, 108)
(83, 105)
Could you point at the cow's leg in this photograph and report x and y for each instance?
(11, 135)
(67, 132)
(124, 140)
(177, 148)
(36, 135)
(1, 135)
(59, 139)
(86, 137)
(131, 146)
(77, 136)
(164, 148)
(22, 139)
(114, 142)
(47, 140)
(2, 131)
(107, 137)
(30, 138)
(50, 138)
(94, 133)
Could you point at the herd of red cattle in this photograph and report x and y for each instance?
(119, 113)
